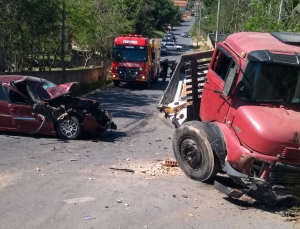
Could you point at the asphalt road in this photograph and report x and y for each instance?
(48, 183)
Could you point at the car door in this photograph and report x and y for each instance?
(21, 110)
(5, 115)
(171, 46)
(214, 104)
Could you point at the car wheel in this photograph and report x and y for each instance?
(194, 153)
(69, 128)
(178, 50)
(116, 83)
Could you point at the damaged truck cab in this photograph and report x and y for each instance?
(236, 109)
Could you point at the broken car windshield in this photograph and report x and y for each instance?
(47, 84)
(269, 82)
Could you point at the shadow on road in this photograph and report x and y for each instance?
(128, 100)
(109, 136)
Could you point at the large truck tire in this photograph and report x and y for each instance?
(193, 152)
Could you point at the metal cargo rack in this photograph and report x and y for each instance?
(181, 100)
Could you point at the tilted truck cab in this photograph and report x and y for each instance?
(236, 109)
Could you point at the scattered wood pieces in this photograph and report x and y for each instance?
(125, 170)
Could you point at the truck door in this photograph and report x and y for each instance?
(214, 104)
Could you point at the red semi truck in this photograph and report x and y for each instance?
(236, 110)
(135, 59)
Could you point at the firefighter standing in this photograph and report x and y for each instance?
(164, 71)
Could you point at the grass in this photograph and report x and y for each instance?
(58, 58)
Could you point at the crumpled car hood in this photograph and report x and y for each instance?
(61, 89)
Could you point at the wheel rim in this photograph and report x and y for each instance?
(68, 128)
(191, 154)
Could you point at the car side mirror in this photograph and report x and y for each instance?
(229, 83)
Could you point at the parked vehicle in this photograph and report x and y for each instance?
(171, 36)
(172, 46)
(240, 115)
(135, 59)
(163, 50)
(185, 34)
(34, 105)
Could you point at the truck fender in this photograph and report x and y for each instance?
(216, 140)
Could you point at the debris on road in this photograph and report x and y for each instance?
(170, 163)
(89, 217)
(157, 168)
(38, 169)
(126, 204)
(119, 201)
(125, 170)
(184, 196)
(191, 215)
(73, 159)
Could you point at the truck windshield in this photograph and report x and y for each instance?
(270, 82)
(130, 53)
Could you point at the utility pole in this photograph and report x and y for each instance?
(280, 10)
(199, 22)
(63, 42)
(218, 16)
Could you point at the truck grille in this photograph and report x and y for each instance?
(285, 175)
(128, 74)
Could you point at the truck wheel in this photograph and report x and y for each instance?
(116, 83)
(69, 128)
(194, 153)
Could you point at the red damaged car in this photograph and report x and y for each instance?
(34, 105)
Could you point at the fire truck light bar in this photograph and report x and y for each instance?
(131, 35)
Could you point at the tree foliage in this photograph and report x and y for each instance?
(30, 30)
(251, 15)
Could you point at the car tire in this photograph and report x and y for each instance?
(193, 152)
(69, 128)
(116, 83)
(178, 50)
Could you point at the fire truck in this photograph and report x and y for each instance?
(237, 110)
(135, 59)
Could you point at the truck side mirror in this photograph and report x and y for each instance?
(229, 83)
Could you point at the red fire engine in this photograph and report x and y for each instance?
(135, 59)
